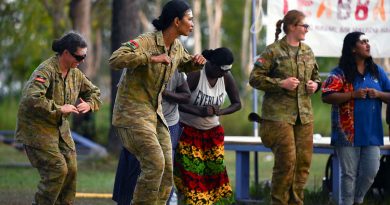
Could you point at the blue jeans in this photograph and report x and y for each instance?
(129, 169)
(359, 166)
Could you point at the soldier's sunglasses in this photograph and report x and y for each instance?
(77, 57)
(306, 26)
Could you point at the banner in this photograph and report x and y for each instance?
(331, 20)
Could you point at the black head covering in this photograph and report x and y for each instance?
(171, 10)
(220, 56)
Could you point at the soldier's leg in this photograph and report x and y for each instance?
(167, 177)
(304, 151)
(68, 191)
(145, 146)
(279, 136)
(52, 169)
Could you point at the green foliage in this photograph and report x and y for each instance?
(8, 110)
(25, 38)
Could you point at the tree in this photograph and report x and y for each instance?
(214, 20)
(125, 26)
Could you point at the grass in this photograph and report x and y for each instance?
(98, 176)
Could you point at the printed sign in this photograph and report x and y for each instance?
(331, 20)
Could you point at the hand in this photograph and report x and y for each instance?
(163, 58)
(361, 93)
(83, 107)
(372, 93)
(215, 109)
(207, 111)
(290, 83)
(311, 87)
(67, 108)
(198, 59)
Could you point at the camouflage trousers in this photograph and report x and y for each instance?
(154, 152)
(58, 170)
(292, 146)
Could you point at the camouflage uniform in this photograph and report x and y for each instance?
(288, 119)
(45, 132)
(137, 113)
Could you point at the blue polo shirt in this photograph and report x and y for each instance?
(368, 111)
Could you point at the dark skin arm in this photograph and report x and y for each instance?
(234, 97)
(181, 95)
(340, 98)
(231, 89)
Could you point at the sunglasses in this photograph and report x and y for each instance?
(77, 57)
(306, 26)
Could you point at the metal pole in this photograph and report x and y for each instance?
(255, 109)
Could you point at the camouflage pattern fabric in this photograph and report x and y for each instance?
(154, 152)
(292, 146)
(139, 96)
(40, 123)
(57, 169)
(274, 65)
(138, 109)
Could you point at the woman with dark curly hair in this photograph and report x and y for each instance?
(356, 90)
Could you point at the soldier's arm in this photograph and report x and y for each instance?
(315, 75)
(260, 75)
(34, 97)
(129, 55)
(90, 93)
(186, 64)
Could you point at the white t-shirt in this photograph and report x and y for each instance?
(202, 96)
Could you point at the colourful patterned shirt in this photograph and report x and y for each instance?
(342, 115)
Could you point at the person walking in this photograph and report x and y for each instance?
(48, 99)
(288, 74)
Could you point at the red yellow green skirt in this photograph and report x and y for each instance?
(199, 168)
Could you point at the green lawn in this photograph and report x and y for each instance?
(18, 183)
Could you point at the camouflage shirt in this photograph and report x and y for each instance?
(276, 64)
(40, 122)
(139, 96)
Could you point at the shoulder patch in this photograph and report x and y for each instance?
(40, 79)
(260, 61)
(132, 44)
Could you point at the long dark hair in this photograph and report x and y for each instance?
(70, 41)
(171, 10)
(347, 60)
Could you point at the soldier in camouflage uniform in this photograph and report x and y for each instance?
(288, 74)
(48, 98)
(150, 60)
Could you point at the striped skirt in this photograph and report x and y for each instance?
(199, 169)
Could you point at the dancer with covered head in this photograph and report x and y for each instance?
(199, 170)
(288, 74)
(150, 61)
(356, 90)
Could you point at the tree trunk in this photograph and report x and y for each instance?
(245, 49)
(197, 30)
(125, 26)
(214, 20)
(80, 15)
